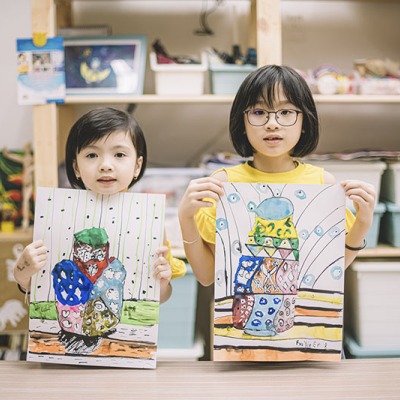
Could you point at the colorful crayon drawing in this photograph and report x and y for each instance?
(96, 302)
(279, 268)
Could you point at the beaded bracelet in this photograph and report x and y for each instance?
(356, 248)
(191, 242)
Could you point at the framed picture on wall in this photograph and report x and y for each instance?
(105, 65)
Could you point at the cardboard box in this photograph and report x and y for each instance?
(372, 303)
(226, 78)
(179, 79)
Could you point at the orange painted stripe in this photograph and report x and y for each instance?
(224, 320)
(317, 313)
(271, 355)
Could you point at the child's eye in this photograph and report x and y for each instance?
(258, 112)
(120, 155)
(91, 155)
(286, 112)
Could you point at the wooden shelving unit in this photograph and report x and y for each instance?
(51, 121)
(381, 251)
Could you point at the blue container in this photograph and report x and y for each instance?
(226, 78)
(373, 233)
(177, 318)
(390, 232)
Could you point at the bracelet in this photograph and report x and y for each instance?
(22, 290)
(356, 248)
(191, 242)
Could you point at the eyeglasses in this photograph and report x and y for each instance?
(259, 117)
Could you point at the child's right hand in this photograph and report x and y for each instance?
(196, 194)
(32, 259)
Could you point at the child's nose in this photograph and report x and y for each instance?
(272, 123)
(106, 164)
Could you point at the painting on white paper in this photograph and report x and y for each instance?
(279, 269)
(96, 301)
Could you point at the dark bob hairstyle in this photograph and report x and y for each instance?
(263, 85)
(95, 125)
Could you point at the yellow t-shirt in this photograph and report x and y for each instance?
(178, 266)
(302, 174)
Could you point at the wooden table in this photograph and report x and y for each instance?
(349, 379)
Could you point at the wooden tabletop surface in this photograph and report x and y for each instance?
(349, 379)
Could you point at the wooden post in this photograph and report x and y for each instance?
(45, 138)
(47, 15)
(266, 31)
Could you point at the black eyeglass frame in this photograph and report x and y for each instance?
(272, 112)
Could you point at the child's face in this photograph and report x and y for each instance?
(274, 139)
(109, 165)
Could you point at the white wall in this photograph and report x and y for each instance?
(314, 33)
(15, 120)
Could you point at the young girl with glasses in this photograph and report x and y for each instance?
(274, 120)
(105, 153)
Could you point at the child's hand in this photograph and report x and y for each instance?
(162, 268)
(163, 272)
(363, 196)
(32, 259)
(196, 192)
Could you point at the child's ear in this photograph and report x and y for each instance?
(138, 167)
(76, 169)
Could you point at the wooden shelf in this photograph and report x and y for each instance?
(17, 235)
(147, 98)
(381, 251)
(356, 98)
(218, 99)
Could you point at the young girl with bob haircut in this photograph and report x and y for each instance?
(105, 153)
(274, 120)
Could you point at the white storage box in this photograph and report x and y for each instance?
(372, 303)
(391, 183)
(226, 78)
(179, 79)
(367, 171)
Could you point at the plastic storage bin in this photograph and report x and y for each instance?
(369, 351)
(373, 233)
(372, 303)
(391, 183)
(226, 78)
(368, 171)
(179, 79)
(390, 232)
(177, 318)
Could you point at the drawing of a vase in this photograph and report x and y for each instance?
(89, 292)
(266, 281)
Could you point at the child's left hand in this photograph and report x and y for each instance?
(162, 268)
(363, 195)
(163, 272)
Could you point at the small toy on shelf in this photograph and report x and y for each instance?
(330, 80)
(378, 76)
(8, 216)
